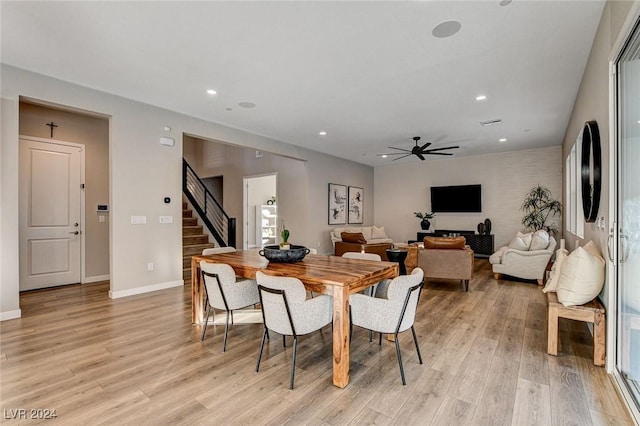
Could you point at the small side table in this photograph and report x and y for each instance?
(396, 255)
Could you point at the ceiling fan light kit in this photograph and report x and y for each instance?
(418, 151)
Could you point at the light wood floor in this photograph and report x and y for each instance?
(138, 360)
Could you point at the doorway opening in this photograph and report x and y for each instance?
(64, 196)
(260, 211)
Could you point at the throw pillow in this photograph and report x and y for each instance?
(554, 275)
(444, 242)
(378, 232)
(539, 240)
(521, 241)
(353, 237)
(581, 276)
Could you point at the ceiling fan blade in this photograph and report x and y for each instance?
(438, 153)
(394, 153)
(400, 149)
(406, 155)
(440, 149)
(423, 147)
(420, 156)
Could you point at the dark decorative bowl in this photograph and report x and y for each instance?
(294, 254)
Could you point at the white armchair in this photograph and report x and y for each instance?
(526, 264)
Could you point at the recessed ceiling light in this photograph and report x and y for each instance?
(446, 29)
(167, 128)
(502, 140)
(384, 156)
(211, 91)
(322, 133)
(504, 2)
(481, 97)
(638, 121)
(247, 104)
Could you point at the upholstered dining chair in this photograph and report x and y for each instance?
(287, 311)
(225, 292)
(218, 250)
(391, 315)
(364, 256)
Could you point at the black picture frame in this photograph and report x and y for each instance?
(356, 205)
(337, 203)
(591, 170)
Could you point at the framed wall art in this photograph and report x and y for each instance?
(337, 204)
(356, 204)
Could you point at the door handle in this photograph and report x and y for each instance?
(75, 233)
(609, 250)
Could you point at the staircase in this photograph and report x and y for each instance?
(194, 240)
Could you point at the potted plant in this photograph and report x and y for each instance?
(538, 205)
(284, 234)
(424, 223)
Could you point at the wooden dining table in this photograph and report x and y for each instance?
(336, 276)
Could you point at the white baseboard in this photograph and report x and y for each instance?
(146, 289)
(5, 316)
(96, 278)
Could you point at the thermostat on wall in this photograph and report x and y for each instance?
(102, 208)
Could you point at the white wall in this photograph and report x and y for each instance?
(592, 103)
(142, 173)
(401, 189)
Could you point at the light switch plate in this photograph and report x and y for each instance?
(138, 220)
(166, 219)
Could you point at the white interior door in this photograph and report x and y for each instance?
(50, 212)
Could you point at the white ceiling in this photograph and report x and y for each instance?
(370, 74)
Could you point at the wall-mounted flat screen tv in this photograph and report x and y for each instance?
(456, 199)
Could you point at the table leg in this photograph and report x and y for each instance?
(340, 336)
(197, 294)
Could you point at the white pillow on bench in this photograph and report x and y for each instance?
(554, 276)
(581, 276)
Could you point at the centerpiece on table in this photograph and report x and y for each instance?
(424, 223)
(284, 234)
(285, 252)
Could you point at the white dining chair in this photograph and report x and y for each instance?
(287, 311)
(226, 292)
(364, 256)
(218, 250)
(391, 315)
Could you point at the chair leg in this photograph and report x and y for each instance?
(206, 321)
(293, 362)
(404, 383)
(264, 334)
(379, 339)
(415, 340)
(226, 328)
(284, 341)
(231, 317)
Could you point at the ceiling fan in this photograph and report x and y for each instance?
(419, 151)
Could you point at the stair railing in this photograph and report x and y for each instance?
(217, 221)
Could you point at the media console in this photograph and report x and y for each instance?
(482, 245)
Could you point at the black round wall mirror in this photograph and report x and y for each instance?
(591, 170)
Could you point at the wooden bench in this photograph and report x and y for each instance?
(592, 312)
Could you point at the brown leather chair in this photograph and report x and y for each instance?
(378, 248)
(447, 258)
